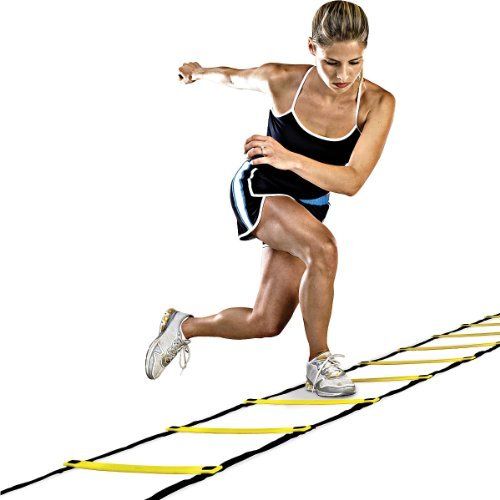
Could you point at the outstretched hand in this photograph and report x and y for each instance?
(274, 153)
(188, 72)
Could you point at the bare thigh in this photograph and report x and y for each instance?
(286, 225)
(278, 294)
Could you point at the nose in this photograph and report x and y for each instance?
(342, 76)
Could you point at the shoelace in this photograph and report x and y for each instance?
(178, 344)
(331, 369)
(182, 356)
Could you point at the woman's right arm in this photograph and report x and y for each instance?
(259, 78)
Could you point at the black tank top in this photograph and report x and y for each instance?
(291, 134)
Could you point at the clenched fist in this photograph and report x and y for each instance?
(188, 72)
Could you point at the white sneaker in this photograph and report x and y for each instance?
(167, 344)
(325, 377)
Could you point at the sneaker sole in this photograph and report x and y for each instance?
(348, 392)
(165, 321)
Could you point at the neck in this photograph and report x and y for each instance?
(333, 96)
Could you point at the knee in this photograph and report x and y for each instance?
(266, 326)
(323, 254)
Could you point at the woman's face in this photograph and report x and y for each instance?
(340, 62)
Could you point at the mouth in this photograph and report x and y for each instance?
(341, 85)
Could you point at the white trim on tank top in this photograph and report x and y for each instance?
(292, 110)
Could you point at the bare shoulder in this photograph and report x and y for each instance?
(280, 74)
(375, 99)
(283, 81)
(374, 92)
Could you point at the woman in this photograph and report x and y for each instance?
(326, 133)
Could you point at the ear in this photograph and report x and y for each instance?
(311, 45)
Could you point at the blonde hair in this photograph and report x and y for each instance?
(340, 22)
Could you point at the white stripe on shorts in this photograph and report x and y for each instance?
(238, 193)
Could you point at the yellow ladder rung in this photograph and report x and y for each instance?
(149, 469)
(392, 379)
(482, 334)
(240, 430)
(480, 324)
(437, 348)
(329, 401)
(417, 361)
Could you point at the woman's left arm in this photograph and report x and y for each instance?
(338, 179)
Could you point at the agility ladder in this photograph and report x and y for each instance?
(201, 472)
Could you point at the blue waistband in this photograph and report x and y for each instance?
(322, 200)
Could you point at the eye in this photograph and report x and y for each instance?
(334, 63)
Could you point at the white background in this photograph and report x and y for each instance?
(115, 206)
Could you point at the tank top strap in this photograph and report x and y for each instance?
(358, 98)
(300, 87)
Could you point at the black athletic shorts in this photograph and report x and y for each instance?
(247, 204)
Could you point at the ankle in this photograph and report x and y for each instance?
(314, 354)
(185, 328)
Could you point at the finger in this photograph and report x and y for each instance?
(254, 152)
(257, 153)
(257, 137)
(263, 160)
(255, 144)
(249, 145)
